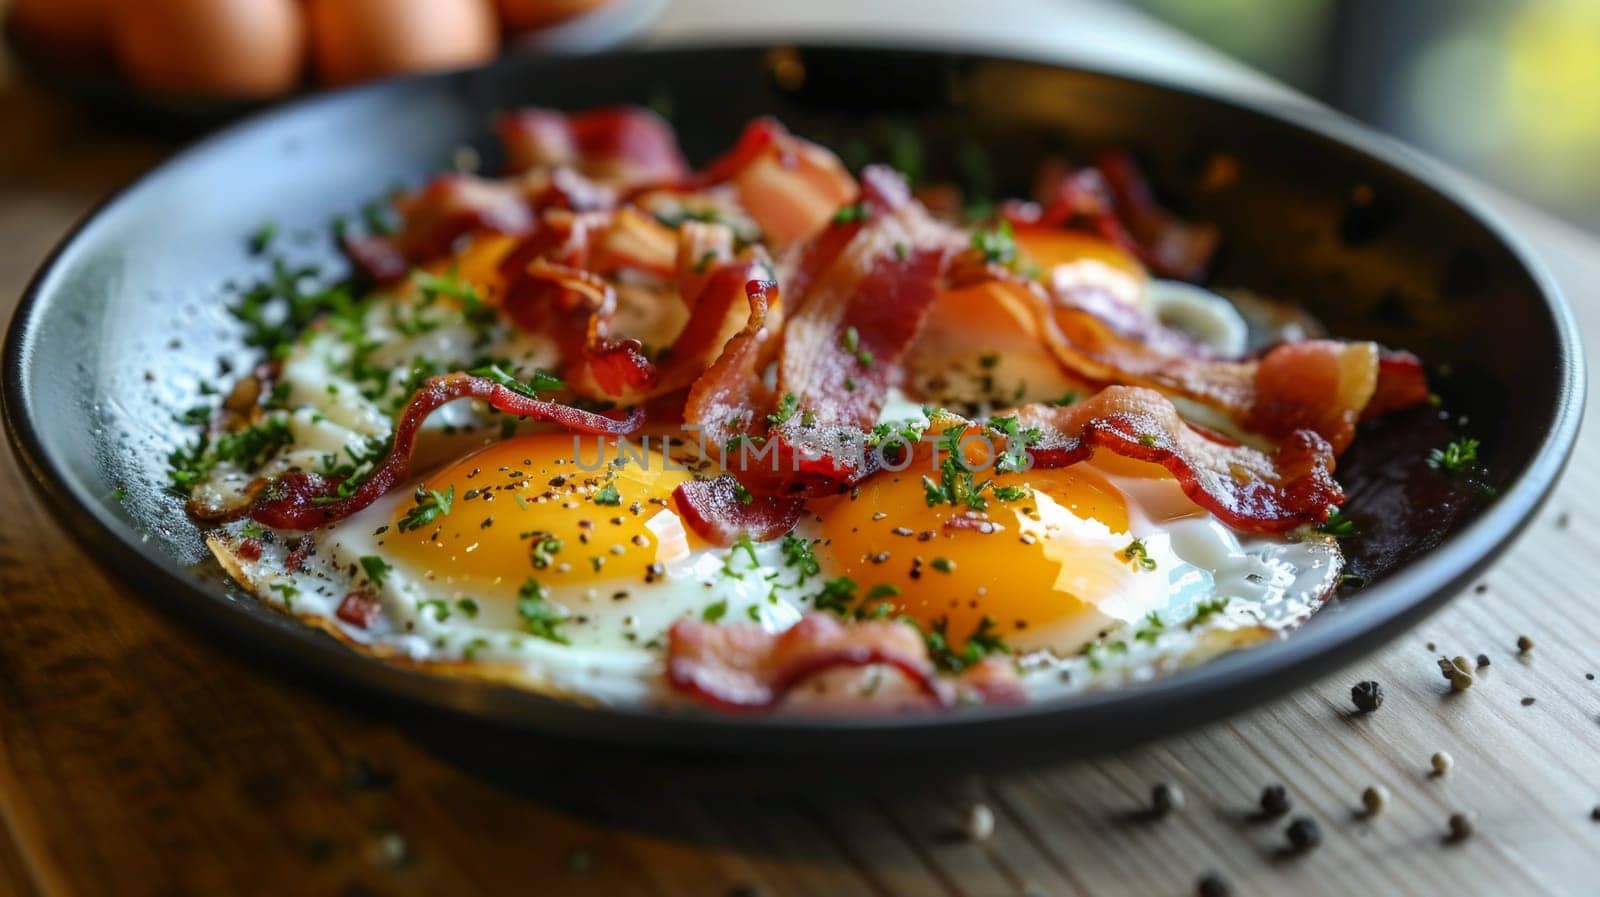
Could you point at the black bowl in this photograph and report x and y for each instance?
(126, 319)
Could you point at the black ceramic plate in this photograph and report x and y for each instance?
(126, 319)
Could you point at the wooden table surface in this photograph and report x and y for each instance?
(137, 759)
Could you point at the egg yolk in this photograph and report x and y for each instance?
(1047, 247)
(1050, 568)
(527, 507)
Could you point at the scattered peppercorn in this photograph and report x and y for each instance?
(980, 822)
(1460, 826)
(1483, 661)
(1375, 798)
(1304, 834)
(1368, 696)
(1524, 644)
(1595, 813)
(1460, 677)
(1527, 702)
(1442, 762)
(1166, 798)
(1275, 800)
(1213, 885)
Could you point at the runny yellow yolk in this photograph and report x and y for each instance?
(524, 508)
(1053, 570)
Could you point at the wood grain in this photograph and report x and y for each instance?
(135, 759)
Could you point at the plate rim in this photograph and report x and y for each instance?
(1252, 677)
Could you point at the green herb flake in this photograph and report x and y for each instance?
(539, 617)
(1137, 556)
(431, 504)
(608, 495)
(787, 406)
(715, 611)
(1459, 455)
(376, 569)
(998, 244)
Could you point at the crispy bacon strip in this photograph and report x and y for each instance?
(619, 146)
(718, 510)
(741, 667)
(1401, 384)
(300, 500)
(571, 301)
(1322, 385)
(791, 187)
(859, 315)
(434, 217)
(1247, 489)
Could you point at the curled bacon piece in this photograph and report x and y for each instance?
(857, 318)
(718, 510)
(1401, 384)
(434, 217)
(300, 500)
(743, 667)
(1322, 385)
(791, 187)
(1247, 489)
(619, 146)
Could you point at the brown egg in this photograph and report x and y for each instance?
(66, 27)
(235, 48)
(352, 40)
(526, 15)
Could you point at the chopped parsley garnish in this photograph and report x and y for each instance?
(275, 310)
(753, 611)
(376, 569)
(1459, 455)
(1338, 526)
(440, 607)
(742, 544)
(1150, 629)
(540, 382)
(852, 213)
(544, 551)
(248, 448)
(901, 252)
(1205, 610)
(837, 595)
(882, 590)
(1136, 555)
(851, 340)
(797, 553)
(1010, 493)
(608, 495)
(1069, 397)
(431, 504)
(998, 245)
(980, 644)
(467, 606)
(478, 313)
(539, 616)
(955, 484)
(787, 406)
(741, 494)
(1148, 440)
(715, 611)
(1015, 458)
(943, 565)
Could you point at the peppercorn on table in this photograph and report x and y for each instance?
(137, 759)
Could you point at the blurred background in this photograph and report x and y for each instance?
(1507, 89)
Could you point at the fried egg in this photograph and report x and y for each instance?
(558, 562)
